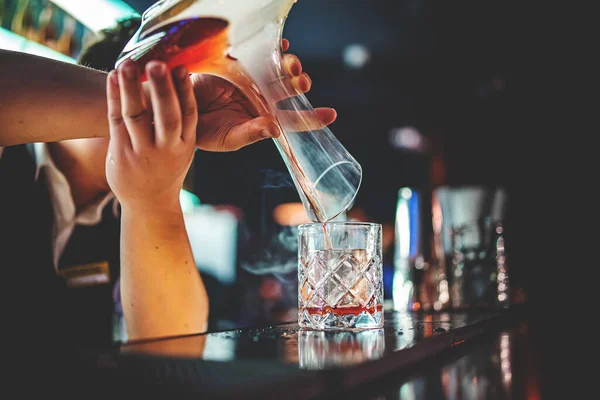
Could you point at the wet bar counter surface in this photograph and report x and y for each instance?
(285, 361)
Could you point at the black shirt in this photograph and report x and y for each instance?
(38, 303)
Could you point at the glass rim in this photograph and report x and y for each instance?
(346, 223)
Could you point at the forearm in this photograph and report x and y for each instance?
(44, 100)
(161, 289)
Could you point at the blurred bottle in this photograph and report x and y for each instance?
(419, 282)
(47, 32)
(23, 22)
(473, 241)
(469, 222)
(407, 251)
(66, 42)
(438, 266)
(2, 13)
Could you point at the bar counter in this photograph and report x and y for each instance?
(444, 355)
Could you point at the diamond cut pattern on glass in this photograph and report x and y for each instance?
(338, 280)
(316, 302)
(306, 293)
(372, 302)
(371, 270)
(316, 270)
(363, 290)
(347, 270)
(347, 301)
(333, 289)
(301, 274)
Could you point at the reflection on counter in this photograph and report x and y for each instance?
(319, 350)
(309, 349)
(453, 355)
(485, 372)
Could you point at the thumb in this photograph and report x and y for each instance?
(326, 115)
(250, 132)
(261, 128)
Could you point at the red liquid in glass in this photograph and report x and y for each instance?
(341, 311)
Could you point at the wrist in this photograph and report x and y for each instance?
(154, 210)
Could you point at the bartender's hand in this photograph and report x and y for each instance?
(226, 121)
(150, 149)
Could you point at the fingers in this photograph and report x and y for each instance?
(303, 82)
(326, 115)
(250, 132)
(173, 105)
(187, 101)
(133, 105)
(165, 104)
(292, 64)
(304, 121)
(262, 128)
(300, 80)
(118, 131)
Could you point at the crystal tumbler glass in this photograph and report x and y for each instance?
(340, 279)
